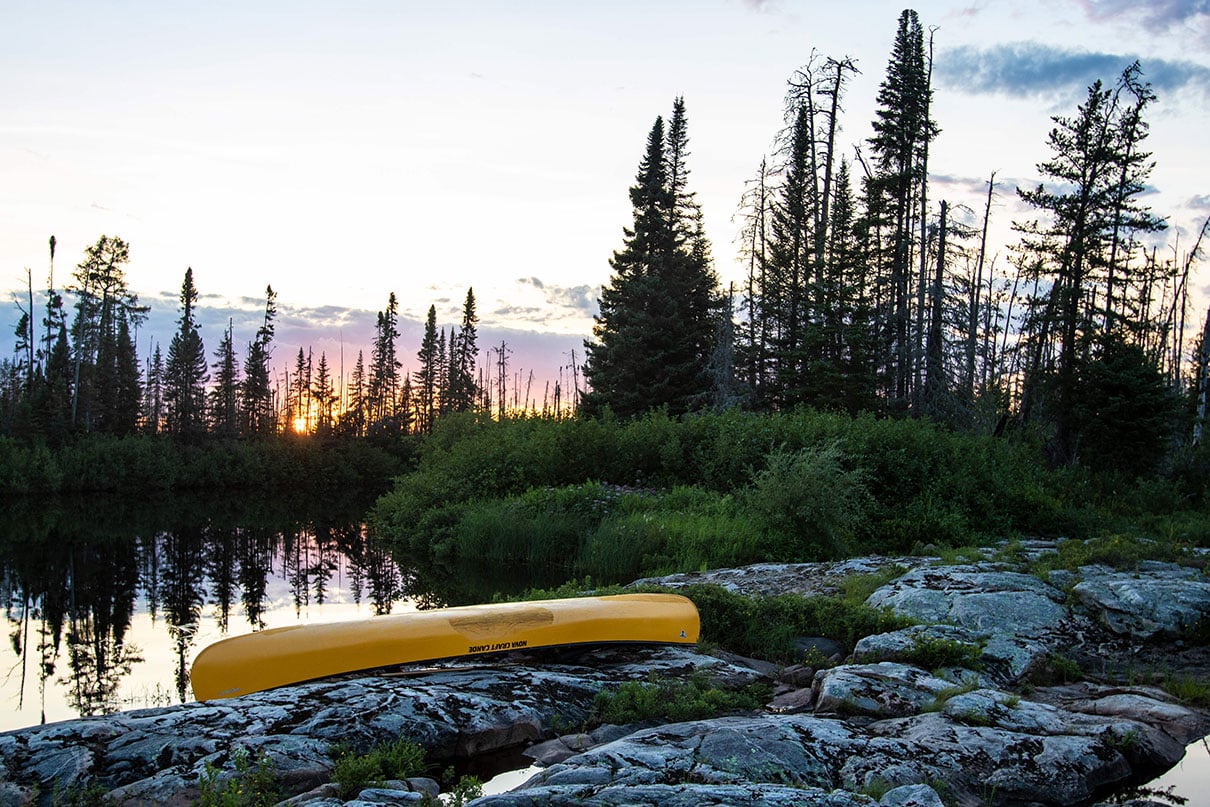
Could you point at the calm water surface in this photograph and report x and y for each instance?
(107, 603)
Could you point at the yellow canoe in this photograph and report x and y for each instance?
(270, 658)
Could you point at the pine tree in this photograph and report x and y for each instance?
(657, 327)
(902, 130)
(224, 397)
(426, 377)
(1075, 254)
(464, 352)
(256, 394)
(186, 372)
(103, 300)
(324, 397)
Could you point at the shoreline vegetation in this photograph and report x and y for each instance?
(616, 501)
(143, 464)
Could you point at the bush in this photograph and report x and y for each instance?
(696, 698)
(809, 504)
(253, 784)
(353, 772)
(766, 627)
(735, 487)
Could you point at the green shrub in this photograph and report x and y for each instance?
(253, 784)
(695, 698)
(1117, 551)
(932, 652)
(736, 487)
(765, 627)
(1188, 689)
(353, 772)
(810, 505)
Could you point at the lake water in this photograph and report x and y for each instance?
(107, 603)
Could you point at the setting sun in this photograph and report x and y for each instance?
(300, 425)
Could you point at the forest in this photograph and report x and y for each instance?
(863, 296)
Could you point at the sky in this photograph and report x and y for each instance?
(343, 151)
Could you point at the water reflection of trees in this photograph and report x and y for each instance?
(73, 574)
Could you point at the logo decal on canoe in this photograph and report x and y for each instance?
(489, 648)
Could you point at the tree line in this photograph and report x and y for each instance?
(83, 376)
(864, 294)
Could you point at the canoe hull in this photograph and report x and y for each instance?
(271, 658)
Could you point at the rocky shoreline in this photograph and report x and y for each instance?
(873, 729)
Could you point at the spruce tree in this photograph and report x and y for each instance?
(153, 406)
(324, 396)
(426, 378)
(786, 289)
(353, 421)
(1076, 252)
(186, 372)
(465, 355)
(129, 384)
(257, 396)
(902, 130)
(383, 379)
(224, 397)
(658, 324)
(103, 299)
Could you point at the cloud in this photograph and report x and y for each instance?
(970, 12)
(1157, 16)
(507, 311)
(1199, 202)
(1028, 69)
(582, 299)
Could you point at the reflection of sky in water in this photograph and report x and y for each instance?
(151, 681)
(1191, 776)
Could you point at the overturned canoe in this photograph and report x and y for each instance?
(271, 658)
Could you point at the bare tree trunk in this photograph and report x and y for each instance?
(1203, 383)
(934, 378)
(977, 287)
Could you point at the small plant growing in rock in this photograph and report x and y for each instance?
(1121, 742)
(1187, 689)
(693, 699)
(857, 588)
(353, 772)
(944, 695)
(934, 652)
(973, 717)
(1065, 669)
(254, 783)
(876, 787)
(93, 795)
(465, 789)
